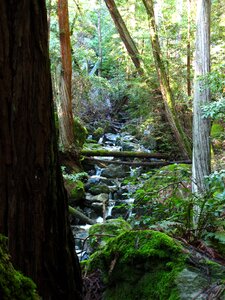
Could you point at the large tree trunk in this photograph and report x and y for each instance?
(33, 202)
(169, 102)
(125, 35)
(65, 113)
(201, 126)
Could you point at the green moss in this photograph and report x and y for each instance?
(75, 189)
(99, 189)
(216, 271)
(88, 145)
(217, 130)
(100, 234)
(139, 265)
(13, 284)
(98, 132)
(80, 133)
(78, 191)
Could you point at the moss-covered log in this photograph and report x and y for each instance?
(135, 163)
(123, 154)
(79, 215)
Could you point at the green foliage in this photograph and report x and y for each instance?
(74, 184)
(215, 110)
(217, 131)
(165, 197)
(13, 284)
(164, 202)
(74, 177)
(212, 207)
(216, 182)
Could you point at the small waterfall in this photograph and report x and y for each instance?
(130, 201)
(111, 204)
(98, 171)
(135, 171)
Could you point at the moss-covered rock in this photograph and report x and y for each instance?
(13, 284)
(98, 132)
(100, 234)
(99, 188)
(75, 189)
(149, 265)
(80, 133)
(89, 145)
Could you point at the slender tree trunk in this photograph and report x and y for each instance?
(33, 202)
(189, 49)
(179, 12)
(125, 35)
(65, 106)
(100, 38)
(201, 126)
(169, 102)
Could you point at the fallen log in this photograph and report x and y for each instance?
(136, 164)
(103, 152)
(78, 214)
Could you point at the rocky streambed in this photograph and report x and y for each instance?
(107, 193)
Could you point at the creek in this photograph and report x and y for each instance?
(107, 192)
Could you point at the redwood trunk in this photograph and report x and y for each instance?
(65, 112)
(33, 202)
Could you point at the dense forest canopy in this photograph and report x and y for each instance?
(103, 72)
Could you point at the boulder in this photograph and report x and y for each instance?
(75, 190)
(114, 171)
(150, 265)
(96, 189)
(89, 198)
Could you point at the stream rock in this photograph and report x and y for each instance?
(96, 189)
(115, 171)
(121, 209)
(102, 198)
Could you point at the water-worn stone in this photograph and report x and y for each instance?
(96, 189)
(111, 136)
(97, 198)
(98, 208)
(114, 171)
